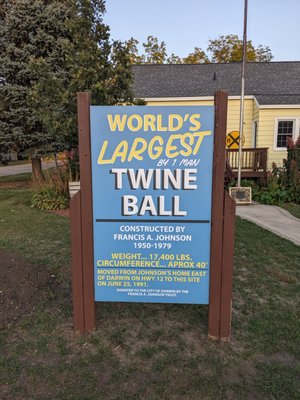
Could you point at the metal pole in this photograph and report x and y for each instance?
(242, 95)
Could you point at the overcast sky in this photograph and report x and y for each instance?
(185, 24)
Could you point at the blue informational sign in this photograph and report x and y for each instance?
(152, 185)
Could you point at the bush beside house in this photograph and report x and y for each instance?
(283, 184)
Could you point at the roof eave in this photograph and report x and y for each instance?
(198, 98)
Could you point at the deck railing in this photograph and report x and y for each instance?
(254, 162)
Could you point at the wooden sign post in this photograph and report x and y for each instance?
(222, 234)
(222, 230)
(82, 227)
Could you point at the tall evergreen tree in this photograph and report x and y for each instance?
(32, 47)
(50, 50)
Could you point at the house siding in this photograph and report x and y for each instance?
(233, 116)
(233, 119)
(266, 119)
(266, 132)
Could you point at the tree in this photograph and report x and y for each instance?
(50, 50)
(173, 59)
(223, 49)
(132, 49)
(120, 77)
(229, 48)
(155, 52)
(197, 57)
(30, 43)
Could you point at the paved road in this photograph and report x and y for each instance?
(23, 168)
(272, 218)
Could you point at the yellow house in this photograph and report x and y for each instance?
(272, 97)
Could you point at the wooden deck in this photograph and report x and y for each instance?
(254, 163)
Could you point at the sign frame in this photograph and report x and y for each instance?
(144, 179)
(222, 230)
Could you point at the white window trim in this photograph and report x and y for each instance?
(253, 139)
(296, 128)
(283, 106)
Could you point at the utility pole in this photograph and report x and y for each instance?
(242, 95)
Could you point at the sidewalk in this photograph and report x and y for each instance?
(23, 168)
(272, 218)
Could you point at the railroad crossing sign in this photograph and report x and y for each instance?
(233, 140)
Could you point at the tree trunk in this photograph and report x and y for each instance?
(36, 169)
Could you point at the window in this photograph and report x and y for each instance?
(285, 130)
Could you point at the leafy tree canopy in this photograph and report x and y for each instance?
(223, 49)
(50, 49)
(230, 49)
(198, 56)
(154, 51)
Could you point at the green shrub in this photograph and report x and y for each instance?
(49, 199)
(290, 177)
(283, 184)
(271, 193)
(51, 193)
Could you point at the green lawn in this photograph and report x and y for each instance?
(144, 351)
(16, 178)
(38, 236)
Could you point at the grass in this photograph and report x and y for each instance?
(40, 237)
(292, 208)
(148, 351)
(16, 178)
